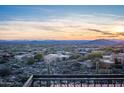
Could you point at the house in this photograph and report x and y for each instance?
(113, 59)
(55, 57)
(107, 61)
(87, 63)
(83, 53)
(23, 57)
(118, 58)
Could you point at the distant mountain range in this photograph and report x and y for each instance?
(103, 42)
(99, 42)
(43, 41)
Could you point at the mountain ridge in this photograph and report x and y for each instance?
(85, 42)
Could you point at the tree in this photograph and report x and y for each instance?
(82, 58)
(30, 61)
(74, 56)
(38, 57)
(108, 49)
(95, 56)
(4, 59)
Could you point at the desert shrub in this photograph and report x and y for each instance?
(4, 70)
(22, 78)
(75, 66)
(94, 55)
(30, 61)
(74, 56)
(3, 60)
(38, 57)
(82, 58)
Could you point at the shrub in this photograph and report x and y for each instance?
(38, 57)
(4, 70)
(74, 56)
(82, 58)
(2, 60)
(30, 61)
(93, 55)
(22, 78)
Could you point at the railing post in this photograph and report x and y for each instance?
(81, 83)
(87, 83)
(74, 83)
(121, 83)
(114, 83)
(29, 82)
(60, 83)
(48, 83)
(67, 83)
(94, 83)
(107, 83)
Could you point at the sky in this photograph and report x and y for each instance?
(57, 22)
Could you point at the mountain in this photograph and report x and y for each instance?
(43, 41)
(120, 41)
(97, 42)
(102, 42)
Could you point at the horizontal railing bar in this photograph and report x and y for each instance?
(81, 76)
(78, 79)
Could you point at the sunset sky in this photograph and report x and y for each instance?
(61, 22)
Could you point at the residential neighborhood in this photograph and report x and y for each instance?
(18, 63)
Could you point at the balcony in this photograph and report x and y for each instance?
(97, 80)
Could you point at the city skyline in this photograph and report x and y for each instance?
(61, 22)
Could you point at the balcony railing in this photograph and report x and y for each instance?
(98, 80)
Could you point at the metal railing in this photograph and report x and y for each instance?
(97, 80)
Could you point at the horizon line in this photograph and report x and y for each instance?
(53, 39)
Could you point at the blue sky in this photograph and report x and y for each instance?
(8, 12)
(61, 22)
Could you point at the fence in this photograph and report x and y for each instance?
(98, 80)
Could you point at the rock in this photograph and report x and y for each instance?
(15, 66)
(13, 77)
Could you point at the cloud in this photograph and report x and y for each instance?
(107, 36)
(100, 31)
(120, 33)
(70, 26)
